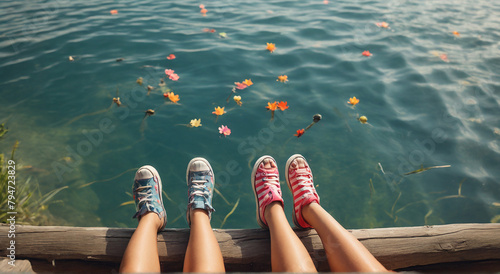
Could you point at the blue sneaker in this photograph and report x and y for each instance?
(200, 180)
(148, 194)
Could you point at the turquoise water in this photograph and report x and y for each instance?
(421, 110)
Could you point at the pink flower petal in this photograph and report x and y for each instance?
(444, 57)
(169, 72)
(174, 77)
(240, 85)
(171, 57)
(224, 130)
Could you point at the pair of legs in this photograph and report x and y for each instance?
(203, 252)
(344, 252)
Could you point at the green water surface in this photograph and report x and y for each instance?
(421, 110)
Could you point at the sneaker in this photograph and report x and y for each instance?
(200, 180)
(147, 193)
(266, 187)
(300, 183)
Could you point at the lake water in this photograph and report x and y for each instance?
(431, 98)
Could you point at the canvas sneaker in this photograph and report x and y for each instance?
(147, 193)
(200, 180)
(266, 187)
(300, 183)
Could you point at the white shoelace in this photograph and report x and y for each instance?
(200, 189)
(148, 193)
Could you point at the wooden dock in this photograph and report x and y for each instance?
(469, 247)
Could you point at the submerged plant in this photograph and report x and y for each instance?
(30, 204)
(3, 130)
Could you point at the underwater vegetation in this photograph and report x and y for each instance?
(24, 195)
(359, 88)
(3, 130)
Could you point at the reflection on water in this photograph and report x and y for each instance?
(428, 96)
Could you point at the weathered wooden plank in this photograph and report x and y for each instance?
(395, 247)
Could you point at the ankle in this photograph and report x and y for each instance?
(272, 209)
(308, 211)
(198, 211)
(152, 218)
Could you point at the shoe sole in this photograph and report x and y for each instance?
(287, 167)
(254, 171)
(155, 173)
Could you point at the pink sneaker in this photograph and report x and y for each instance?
(266, 187)
(300, 182)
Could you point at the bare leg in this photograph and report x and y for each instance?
(203, 252)
(141, 254)
(288, 254)
(344, 252)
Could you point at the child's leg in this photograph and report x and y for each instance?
(288, 254)
(344, 252)
(141, 254)
(203, 252)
